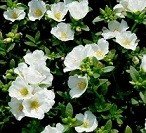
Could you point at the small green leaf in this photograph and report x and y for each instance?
(30, 44)
(69, 110)
(12, 63)
(134, 73)
(134, 102)
(30, 38)
(14, 28)
(108, 69)
(77, 123)
(85, 28)
(3, 7)
(108, 125)
(37, 36)
(10, 47)
(97, 19)
(128, 130)
(143, 97)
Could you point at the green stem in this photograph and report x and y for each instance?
(133, 27)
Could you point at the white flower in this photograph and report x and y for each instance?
(78, 85)
(114, 28)
(89, 122)
(74, 58)
(36, 58)
(14, 14)
(143, 63)
(63, 32)
(39, 104)
(58, 11)
(20, 89)
(98, 50)
(58, 129)
(16, 108)
(121, 9)
(36, 75)
(130, 6)
(127, 40)
(136, 5)
(37, 9)
(78, 10)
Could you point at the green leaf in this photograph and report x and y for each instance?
(134, 102)
(143, 97)
(108, 69)
(14, 28)
(85, 28)
(37, 36)
(108, 125)
(134, 73)
(97, 19)
(77, 123)
(12, 63)
(3, 7)
(30, 44)
(2, 62)
(69, 110)
(128, 130)
(30, 38)
(10, 47)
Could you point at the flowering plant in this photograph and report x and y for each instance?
(70, 66)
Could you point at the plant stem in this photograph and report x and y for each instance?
(133, 27)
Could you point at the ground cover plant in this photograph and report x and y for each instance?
(72, 66)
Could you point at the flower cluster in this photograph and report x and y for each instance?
(117, 30)
(29, 94)
(73, 61)
(37, 9)
(89, 124)
(96, 78)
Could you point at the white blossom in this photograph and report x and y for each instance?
(89, 122)
(121, 8)
(98, 50)
(63, 32)
(58, 129)
(20, 89)
(114, 28)
(16, 108)
(136, 5)
(58, 11)
(78, 85)
(78, 10)
(36, 58)
(143, 63)
(40, 103)
(127, 40)
(14, 14)
(37, 9)
(74, 58)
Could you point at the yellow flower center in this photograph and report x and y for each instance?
(15, 15)
(24, 91)
(99, 53)
(57, 15)
(38, 12)
(126, 42)
(20, 107)
(85, 124)
(63, 35)
(34, 104)
(82, 85)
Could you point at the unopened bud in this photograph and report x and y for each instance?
(8, 40)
